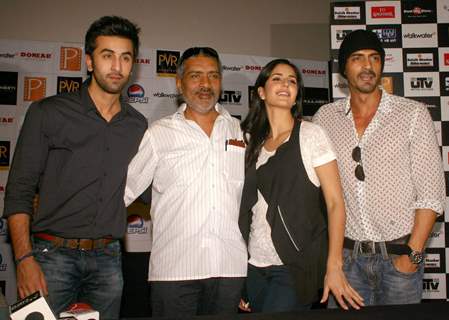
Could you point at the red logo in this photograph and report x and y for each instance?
(383, 12)
(446, 58)
(35, 88)
(70, 59)
(316, 72)
(142, 61)
(253, 68)
(8, 120)
(35, 55)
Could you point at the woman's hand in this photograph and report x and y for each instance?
(336, 283)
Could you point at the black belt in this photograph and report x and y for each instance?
(397, 246)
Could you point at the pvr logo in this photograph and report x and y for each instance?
(421, 83)
(341, 34)
(34, 88)
(69, 84)
(70, 59)
(166, 63)
(230, 97)
(430, 284)
(4, 154)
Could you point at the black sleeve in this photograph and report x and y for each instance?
(28, 162)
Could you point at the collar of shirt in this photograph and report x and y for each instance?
(218, 107)
(384, 106)
(88, 105)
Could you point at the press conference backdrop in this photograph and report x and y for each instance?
(416, 37)
(31, 70)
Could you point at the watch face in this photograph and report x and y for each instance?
(416, 257)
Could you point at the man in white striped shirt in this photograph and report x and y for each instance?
(195, 160)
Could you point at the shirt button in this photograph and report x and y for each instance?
(100, 199)
(213, 186)
(107, 148)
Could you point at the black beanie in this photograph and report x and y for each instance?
(355, 41)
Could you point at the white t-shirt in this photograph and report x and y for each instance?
(316, 150)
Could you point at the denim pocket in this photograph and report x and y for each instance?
(405, 274)
(43, 248)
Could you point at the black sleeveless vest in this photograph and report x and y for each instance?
(296, 215)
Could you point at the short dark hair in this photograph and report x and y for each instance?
(111, 26)
(194, 52)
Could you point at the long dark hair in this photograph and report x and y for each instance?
(256, 127)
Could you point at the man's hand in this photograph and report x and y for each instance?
(30, 278)
(404, 265)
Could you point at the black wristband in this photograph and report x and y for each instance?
(25, 256)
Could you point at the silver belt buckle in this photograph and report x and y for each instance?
(367, 247)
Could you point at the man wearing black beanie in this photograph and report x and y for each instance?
(391, 173)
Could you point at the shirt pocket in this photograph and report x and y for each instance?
(235, 163)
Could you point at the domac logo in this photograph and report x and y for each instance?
(136, 94)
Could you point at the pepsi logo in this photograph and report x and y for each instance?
(135, 221)
(136, 91)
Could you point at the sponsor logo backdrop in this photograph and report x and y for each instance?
(32, 70)
(416, 37)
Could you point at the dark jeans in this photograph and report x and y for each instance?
(271, 289)
(195, 297)
(136, 289)
(376, 279)
(89, 276)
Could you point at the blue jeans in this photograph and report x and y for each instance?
(89, 276)
(271, 289)
(376, 279)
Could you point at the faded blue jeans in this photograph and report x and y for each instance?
(89, 276)
(376, 279)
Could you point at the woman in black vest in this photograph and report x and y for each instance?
(281, 215)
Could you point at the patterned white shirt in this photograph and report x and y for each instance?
(402, 164)
(316, 150)
(197, 187)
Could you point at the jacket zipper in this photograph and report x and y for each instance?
(286, 229)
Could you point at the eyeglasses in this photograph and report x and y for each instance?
(196, 51)
(357, 157)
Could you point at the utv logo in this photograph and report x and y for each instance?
(431, 284)
(422, 83)
(386, 35)
(231, 97)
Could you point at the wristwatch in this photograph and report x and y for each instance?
(416, 257)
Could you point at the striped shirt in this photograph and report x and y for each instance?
(197, 187)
